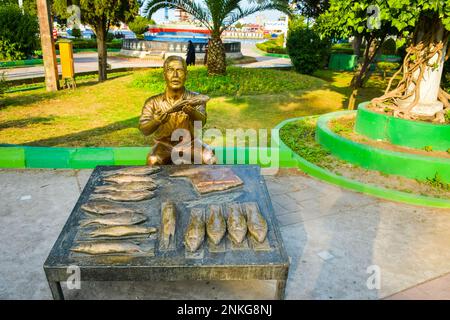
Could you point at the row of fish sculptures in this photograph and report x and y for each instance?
(240, 220)
(114, 220)
(117, 223)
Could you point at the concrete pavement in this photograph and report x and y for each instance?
(88, 62)
(338, 242)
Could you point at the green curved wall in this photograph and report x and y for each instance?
(399, 163)
(401, 132)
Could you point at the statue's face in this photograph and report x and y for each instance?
(175, 75)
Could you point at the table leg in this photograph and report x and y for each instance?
(281, 288)
(55, 288)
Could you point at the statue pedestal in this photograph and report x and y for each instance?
(225, 261)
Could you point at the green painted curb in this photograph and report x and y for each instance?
(390, 162)
(401, 132)
(130, 156)
(12, 157)
(84, 158)
(343, 182)
(36, 157)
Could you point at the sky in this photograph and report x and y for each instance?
(269, 15)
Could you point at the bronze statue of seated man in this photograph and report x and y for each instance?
(176, 108)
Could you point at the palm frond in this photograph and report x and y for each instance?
(198, 11)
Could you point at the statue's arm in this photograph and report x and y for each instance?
(199, 114)
(148, 123)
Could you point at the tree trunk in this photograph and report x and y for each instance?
(216, 56)
(100, 32)
(362, 74)
(418, 94)
(424, 83)
(48, 46)
(356, 44)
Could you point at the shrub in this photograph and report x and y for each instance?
(18, 33)
(387, 67)
(345, 48)
(109, 37)
(237, 82)
(307, 50)
(389, 47)
(76, 33)
(272, 46)
(10, 51)
(92, 44)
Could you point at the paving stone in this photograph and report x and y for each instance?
(286, 202)
(288, 219)
(409, 244)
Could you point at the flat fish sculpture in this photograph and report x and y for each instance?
(257, 225)
(115, 219)
(107, 247)
(129, 186)
(215, 225)
(206, 180)
(236, 224)
(122, 231)
(168, 223)
(126, 178)
(134, 171)
(195, 232)
(102, 207)
(124, 195)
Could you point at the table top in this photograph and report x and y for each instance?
(183, 194)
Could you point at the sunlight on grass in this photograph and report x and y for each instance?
(106, 114)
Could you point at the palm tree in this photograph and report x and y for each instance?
(217, 16)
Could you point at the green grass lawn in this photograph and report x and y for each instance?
(106, 114)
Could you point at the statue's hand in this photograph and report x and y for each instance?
(161, 117)
(188, 109)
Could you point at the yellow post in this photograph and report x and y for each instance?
(67, 66)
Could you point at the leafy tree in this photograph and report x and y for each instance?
(217, 16)
(311, 8)
(238, 25)
(100, 15)
(426, 53)
(28, 6)
(18, 33)
(140, 25)
(427, 20)
(346, 18)
(307, 50)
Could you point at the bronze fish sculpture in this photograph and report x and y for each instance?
(126, 178)
(195, 232)
(124, 195)
(107, 247)
(257, 225)
(129, 186)
(115, 219)
(215, 225)
(168, 223)
(134, 171)
(236, 224)
(102, 207)
(122, 231)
